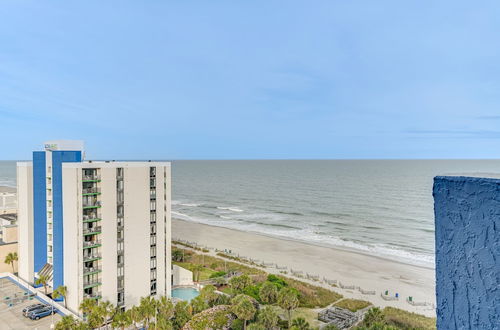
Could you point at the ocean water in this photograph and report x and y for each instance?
(378, 207)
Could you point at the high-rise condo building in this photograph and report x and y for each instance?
(100, 228)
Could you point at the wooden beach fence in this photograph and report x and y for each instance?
(367, 292)
(347, 287)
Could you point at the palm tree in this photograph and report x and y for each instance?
(287, 299)
(268, 292)
(66, 322)
(10, 258)
(61, 291)
(268, 317)
(374, 315)
(182, 314)
(209, 295)
(197, 269)
(240, 283)
(147, 307)
(243, 308)
(135, 315)
(43, 280)
(108, 311)
(165, 307)
(87, 306)
(121, 320)
(300, 324)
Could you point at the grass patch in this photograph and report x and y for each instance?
(204, 274)
(353, 304)
(312, 296)
(218, 264)
(407, 320)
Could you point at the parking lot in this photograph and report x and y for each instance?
(13, 300)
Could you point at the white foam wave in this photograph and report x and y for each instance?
(182, 215)
(309, 236)
(233, 209)
(189, 204)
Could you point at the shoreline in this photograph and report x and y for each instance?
(347, 267)
(334, 247)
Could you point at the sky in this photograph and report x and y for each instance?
(251, 79)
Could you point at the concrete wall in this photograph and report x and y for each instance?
(25, 220)
(9, 233)
(467, 212)
(109, 235)
(182, 276)
(72, 229)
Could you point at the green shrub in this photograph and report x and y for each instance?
(278, 281)
(218, 274)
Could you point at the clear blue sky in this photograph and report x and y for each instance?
(252, 79)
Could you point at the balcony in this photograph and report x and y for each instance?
(96, 295)
(91, 284)
(91, 218)
(91, 191)
(91, 178)
(91, 244)
(92, 231)
(91, 204)
(91, 270)
(92, 257)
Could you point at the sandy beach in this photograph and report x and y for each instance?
(350, 268)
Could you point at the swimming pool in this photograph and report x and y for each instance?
(185, 293)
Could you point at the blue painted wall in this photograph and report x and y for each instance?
(467, 212)
(39, 210)
(59, 157)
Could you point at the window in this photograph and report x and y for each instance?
(152, 217)
(152, 250)
(152, 240)
(120, 271)
(153, 274)
(153, 229)
(120, 246)
(152, 262)
(152, 182)
(50, 248)
(49, 237)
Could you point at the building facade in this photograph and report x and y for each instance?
(467, 211)
(102, 229)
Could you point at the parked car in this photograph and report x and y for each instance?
(39, 313)
(30, 308)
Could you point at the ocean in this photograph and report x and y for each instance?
(378, 207)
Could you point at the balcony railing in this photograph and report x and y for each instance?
(87, 284)
(91, 204)
(88, 270)
(96, 295)
(89, 244)
(91, 218)
(92, 257)
(92, 230)
(93, 190)
(91, 177)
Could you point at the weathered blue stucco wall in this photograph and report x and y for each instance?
(467, 211)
